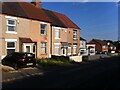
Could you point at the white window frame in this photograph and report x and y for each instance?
(44, 29)
(74, 34)
(15, 25)
(11, 40)
(57, 46)
(57, 30)
(104, 46)
(44, 47)
(74, 47)
(69, 48)
(10, 48)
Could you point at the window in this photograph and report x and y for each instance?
(74, 34)
(43, 29)
(57, 50)
(57, 33)
(111, 47)
(104, 47)
(43, 48)
(69, 50)
(11, 47)
(11, 25)
(74, 49)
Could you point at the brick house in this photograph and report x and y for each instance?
(100, 45)
(65, 35)
(28, 28)
(104, 46)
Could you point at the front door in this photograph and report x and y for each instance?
(28, 48)
(64, 51)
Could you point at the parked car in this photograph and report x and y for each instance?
(101, 52)
(18, 60)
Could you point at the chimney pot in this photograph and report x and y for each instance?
(37, 4)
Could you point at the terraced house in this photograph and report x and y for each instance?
(26, 27)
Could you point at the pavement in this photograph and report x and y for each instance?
(99, 73)
(13, 75)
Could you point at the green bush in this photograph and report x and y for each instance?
(52, 61)
(6, 70)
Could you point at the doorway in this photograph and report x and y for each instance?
(64, 51)
(28, 48)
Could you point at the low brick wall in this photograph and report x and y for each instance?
(94, 57)
(76, 58)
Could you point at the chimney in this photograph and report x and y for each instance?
(36, 3)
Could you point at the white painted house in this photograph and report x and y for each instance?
(83, 47)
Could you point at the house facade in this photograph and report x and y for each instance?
(21, 34)
(83, 47)
(101, 46)
(64, 35)
(105, 46)
(91, 49)
(27, 28)
(64, 41)
(111, 46)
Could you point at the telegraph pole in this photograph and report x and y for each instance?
(119, 21)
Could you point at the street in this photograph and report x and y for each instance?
(102, 74)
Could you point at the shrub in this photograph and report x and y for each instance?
(6, 70)
(53, 61)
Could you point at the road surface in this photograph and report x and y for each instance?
(102, 74)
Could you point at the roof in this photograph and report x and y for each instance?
(82, 39)
(100, 41)
(66, 21)
(54, 19)
(29, 11)
(25, 40)
(60, 20)
(111, 43)
(24, 10)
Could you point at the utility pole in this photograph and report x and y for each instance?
(119, 21)
(118, 27)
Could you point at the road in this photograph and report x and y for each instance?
(101, 74)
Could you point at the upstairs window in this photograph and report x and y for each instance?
(43, 29)
(57, 33)
(11, 25)
(74, 34)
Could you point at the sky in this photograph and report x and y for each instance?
(98, 20)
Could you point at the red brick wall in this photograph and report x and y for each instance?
(98, 47)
